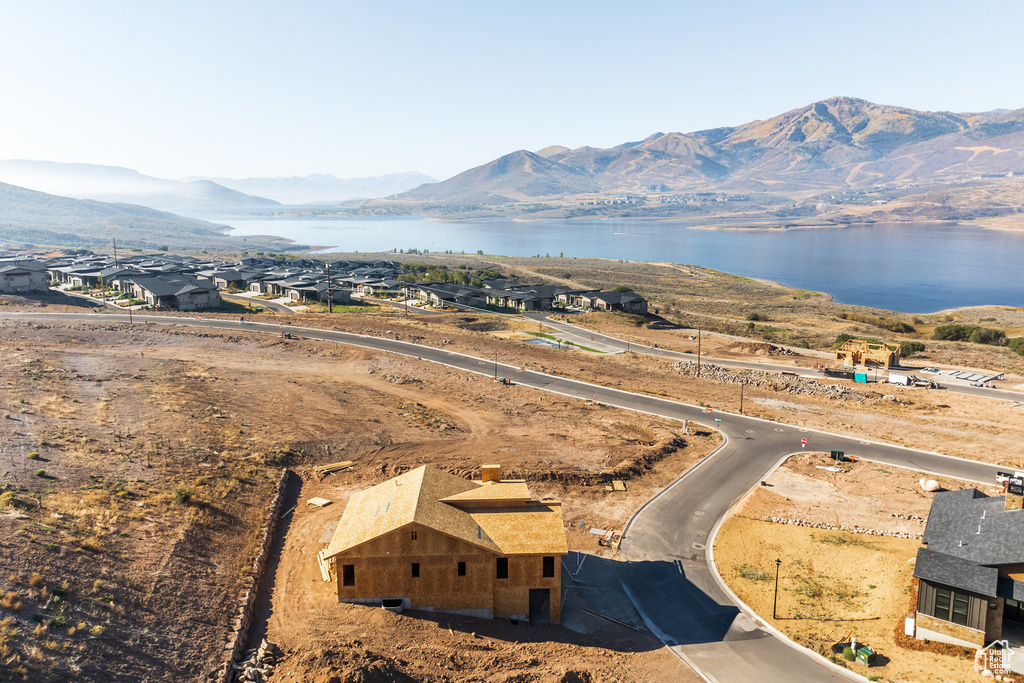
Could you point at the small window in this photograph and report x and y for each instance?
(348, 575)
(462, 568)
(993, 605)
(414, 535)
(502, 567)
(943, 598)
(960, 604)
(549, 567)
(415, 570)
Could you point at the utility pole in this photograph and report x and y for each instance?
(775, 603)
(406, 288)
(698, 350)
(330, 292)
(495, 366)
(115, 252)
(627, 343)
(741, 399)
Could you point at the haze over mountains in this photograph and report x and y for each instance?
(117, 184)
(841, 142)
(323, 188)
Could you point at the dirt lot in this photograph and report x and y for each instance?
(833, 583)
(324, 641)
(122, 419)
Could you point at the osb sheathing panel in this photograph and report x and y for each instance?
(534, 529)
(416, 497)
(504, 492)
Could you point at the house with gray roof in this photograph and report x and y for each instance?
(181, 291)
(971, 571)
(23, 276)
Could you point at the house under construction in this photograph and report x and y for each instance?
(856, 352)
(430, 540)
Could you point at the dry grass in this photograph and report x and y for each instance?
(11, 601)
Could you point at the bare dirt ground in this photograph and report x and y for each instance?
(122, 418)
(324, 641)
(834, 583)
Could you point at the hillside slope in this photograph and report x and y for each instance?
(117, 184)
(40, 218)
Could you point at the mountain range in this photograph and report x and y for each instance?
(841, 142)
(323, 188)
(117, 184)
(28, 216)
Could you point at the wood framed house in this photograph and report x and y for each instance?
(971, 572)
(430, 540)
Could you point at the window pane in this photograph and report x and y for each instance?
(462, 568)
(415, 569)
(502, 568)
(942, 600)
(348, 575)
(549, 567)
(960, 603)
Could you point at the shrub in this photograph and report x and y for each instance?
(623, 288)
(753, 316)
(909, 348)
(1017, 345)
(848, 654)
(7, 500)
(32, 456)
(182, 496)
(10, 601)
(40, 473)
(97, 630)
(36, 580)
(971, 333)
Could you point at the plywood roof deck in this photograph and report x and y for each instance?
(498, 516)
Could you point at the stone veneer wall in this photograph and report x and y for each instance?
(241, 629)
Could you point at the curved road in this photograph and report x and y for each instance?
(611, 344)
(666, 569)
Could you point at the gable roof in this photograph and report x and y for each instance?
(444, 502)
(957, 554)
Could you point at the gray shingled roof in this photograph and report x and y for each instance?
(958, 555)
(954, 521)
(956, 572)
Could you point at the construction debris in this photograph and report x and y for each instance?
(334, 467)
(318, 502)
(618, 485)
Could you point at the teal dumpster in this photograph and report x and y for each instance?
(860, 377)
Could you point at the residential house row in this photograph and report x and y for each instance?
(187, 283)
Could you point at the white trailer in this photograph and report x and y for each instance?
(898, 378)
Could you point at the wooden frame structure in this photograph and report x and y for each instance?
(856, 352)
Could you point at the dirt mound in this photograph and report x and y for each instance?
(488, 326)
(351, 666)
(759, 349)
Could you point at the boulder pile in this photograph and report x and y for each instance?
(773, 381)
(257, 665)
(841, 527)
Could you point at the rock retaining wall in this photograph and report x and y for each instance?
(842, 527)
(241, 626)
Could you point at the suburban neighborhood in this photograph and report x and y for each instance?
(185, 283)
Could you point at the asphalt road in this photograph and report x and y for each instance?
(609, 344)
(667, 571)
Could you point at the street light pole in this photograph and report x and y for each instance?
(775, 603)
(741, 399)
(495, 366)
(698, 350)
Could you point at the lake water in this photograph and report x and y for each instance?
(915, 268)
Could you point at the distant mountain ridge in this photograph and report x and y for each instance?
(325, 188)
(118, 184)
(28, 216)
(838, 142)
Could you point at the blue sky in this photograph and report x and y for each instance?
(270, 88)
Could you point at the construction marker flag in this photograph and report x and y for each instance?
(708, 410)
